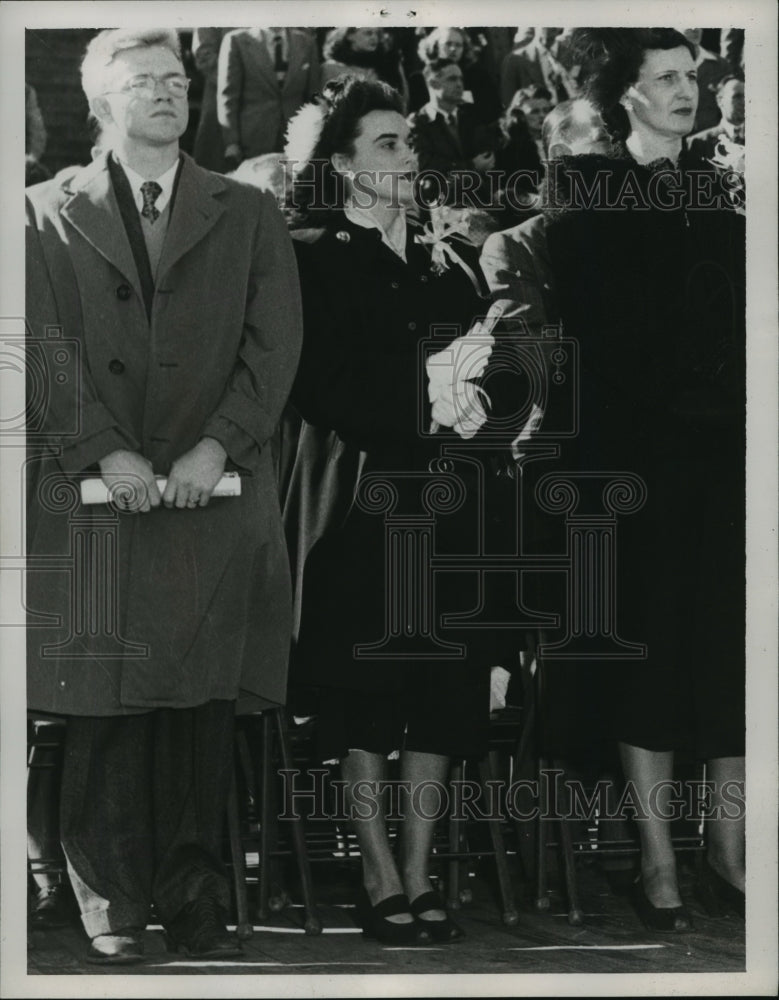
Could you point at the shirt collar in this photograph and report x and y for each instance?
(394, 237)
(166, 182)
(268, 34)
(432, 110)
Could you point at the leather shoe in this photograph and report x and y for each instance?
(199, 930)
(669, 919)
(54, 907)
(122, 948)
(716, 895)
(441, 931)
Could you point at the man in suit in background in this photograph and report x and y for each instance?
(515, 262)
(446, 133)
(539, 63)
(264, 76)
(179, 290)
(730, 101)
(711, 68)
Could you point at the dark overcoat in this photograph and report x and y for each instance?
(370, 320)
(650, 280)
(129, 612)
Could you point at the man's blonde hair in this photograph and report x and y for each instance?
(104, 47)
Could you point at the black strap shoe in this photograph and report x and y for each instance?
(669, 919)
(441, 931)
(199, 930)
(375, 924)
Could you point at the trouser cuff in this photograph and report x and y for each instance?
(112, 919)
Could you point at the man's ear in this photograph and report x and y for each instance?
(558, 149)
(101, 109)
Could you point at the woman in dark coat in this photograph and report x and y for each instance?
(650, 280)
(364, 52)
(391, 679)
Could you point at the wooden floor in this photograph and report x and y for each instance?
(611, 940)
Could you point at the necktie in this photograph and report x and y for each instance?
(151, 192)
(451, 121)
(279, 64)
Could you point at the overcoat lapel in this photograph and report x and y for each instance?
(94, 212)
(262, 59)
(295, 61)
(194, 213)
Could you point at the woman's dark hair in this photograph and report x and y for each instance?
(318, 190)
(613, 58)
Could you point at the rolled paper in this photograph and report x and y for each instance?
(96, 491)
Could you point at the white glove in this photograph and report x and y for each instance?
(456, 401)
(499, 682)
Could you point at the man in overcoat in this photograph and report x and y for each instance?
(174, 293)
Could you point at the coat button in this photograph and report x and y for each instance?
(395, 285)
(423, 279)
(115, 366)
(124, 292)
(412, 325)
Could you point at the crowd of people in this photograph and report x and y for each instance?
(291, 304)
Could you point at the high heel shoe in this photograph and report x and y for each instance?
(441, 931)
(716, 895)
(670, 919)
(373, 920)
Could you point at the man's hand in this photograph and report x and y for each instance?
(193, 476)
(130, 481)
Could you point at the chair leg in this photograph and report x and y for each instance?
(542, 894)
(455, 837)
(525, 830)
(266, 804)
(313, 923)
(575, 912)
(244, 927)
(510, 913)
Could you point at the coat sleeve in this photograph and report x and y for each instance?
(81, 426)
(349, 380)
(314, 72)
(229, 89)
(513, 278)
(259, 385)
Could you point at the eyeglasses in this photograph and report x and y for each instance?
(176, 85)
